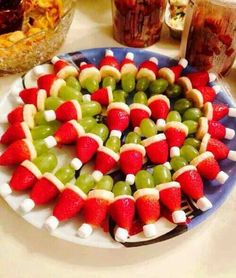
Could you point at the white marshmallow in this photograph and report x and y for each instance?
(150, 230)
(130, 179)
(204, 204)
(179, 216)
(85, 230)
(87, 97)
(50, 142)
(154, 60)
(222, 177)
(82, 64)
(130, 56)
(116, 133)
(50, 115)
(167, 165)
(217, 88)
(97, 175)
(161, 123)
(51, 223)
(229, 133)
(232, 112)
(5, 190)
(76, 163)
(174, 151)
(232, 155)
(121, 235)
(183, 62)
(27, 205)
(109, 52)
(212, 76)
(55, 59)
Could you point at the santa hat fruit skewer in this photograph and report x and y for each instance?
(63, 69)
(148, 69)
(128, 73)
(34, 96)
(103, 96)
(89, 77)
(217, 111)
(51, 84)
(109, 66)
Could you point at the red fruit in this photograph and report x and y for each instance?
(198, 78)
(68, 132)
(175, 137)
(138, 112)
(69, 110)
(69, 204)
(105, 160)
(29, 95)
(24, 113)
(46, 81)
(159, 106)
(208, 93)
(216, 129)
(122, 211)
(220, 110)
(103, 96)
(149, 65)
(171, 198)
(111, 61)
(206, 164)
(117, 119)
(217, 148)
(16, 115)
(131, 161)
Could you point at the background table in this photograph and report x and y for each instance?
(207, 251)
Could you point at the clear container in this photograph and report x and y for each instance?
(209, 37)
(137, 23)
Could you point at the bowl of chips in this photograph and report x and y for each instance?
(40, 30)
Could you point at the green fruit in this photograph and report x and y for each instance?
(142, 84)
(193, 142)
(65, 174)
(174, 91)
(109, 81)
(52, 103)
(40, 119)
(69, 93)
(113, 143)
(182, 104)
(40, 146)
(101, 130)
(90, 108)
(133, 137)
(191, 125)
(105, 183)
(158, 86)
(119, 96)
(188, 152)
(73, 82)
(140, 97)
(173, 116)
(128, 82)
(121, 188)
(161, 174)
(144, 179)
(148, 128)
(90, 84)
(46, 162)
(193, 114)
(85, 182)
(88, 123)
(43, 131)
(178, 162)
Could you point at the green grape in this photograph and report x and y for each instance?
(140, 97)
(119, 96)
(191, 125)
(90, 108)
(173, 116)
(65, 174)
(182, 104)
(85, 182)
(39, 118)
(113, 143)
(73, 82)
(90, 84)
(178, 162)
(109, 81)
(121, 188)
(192, 114)
(52, 103)
(69, 93)
(128, 82)
(142, 84)
(88, 123)
(161, 174)
(188, 152)
(46, 162)
(43, 131)
(105, 183)
(173, 91)
(193, 142)
(148, 128)
(144, 179)
(101, 130)
(40, 146)
(133, 137)
(158, 86)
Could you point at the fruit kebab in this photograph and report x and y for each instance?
(147, 202)
(89, 77)
(128, 73)
(28, 173)
(96, 206)
(34, 96)
(122, 210)
(70, 201)
(47, 188)
(51, 84)
(169, 192)
(63, 68)
(217, 111)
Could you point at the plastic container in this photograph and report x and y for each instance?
(137, 23)
(209, 37)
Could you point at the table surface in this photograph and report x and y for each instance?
(207, 251)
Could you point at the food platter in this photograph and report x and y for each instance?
(166, 229)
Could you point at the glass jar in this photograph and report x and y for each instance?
(137, 23)
(209, 37)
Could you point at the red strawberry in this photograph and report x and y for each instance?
(16, 115)
(50, 83)
(17, 152)
(217, 111)
(24, 113)
(34, 96)
(63, 69)
(69, 110)
(16, 132)
(216, 130)
(157, 148)
(208, 93)
(148, 69)
(103, 96)
(138, 112)
(160, 106)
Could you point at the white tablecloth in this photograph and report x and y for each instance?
(207, 251)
